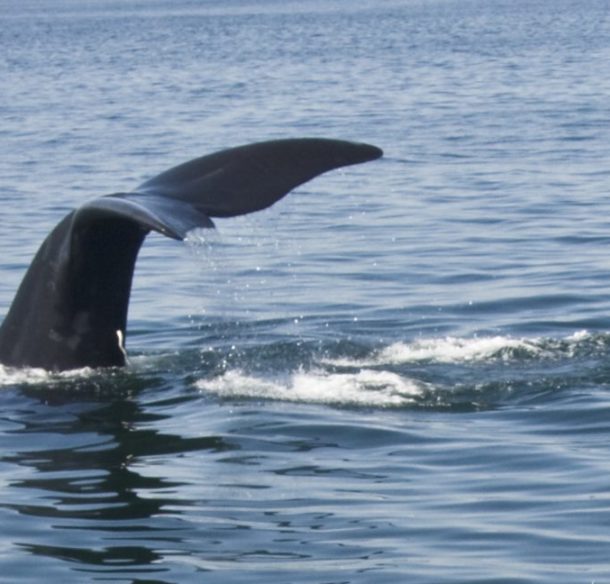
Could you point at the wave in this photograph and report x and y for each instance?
(362, 388)
(35, 376)
(444, 372)
(477, 349)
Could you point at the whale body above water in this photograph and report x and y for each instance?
(70, 310)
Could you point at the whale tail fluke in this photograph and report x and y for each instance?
(250, 178)
(71, 308)
(232, 182)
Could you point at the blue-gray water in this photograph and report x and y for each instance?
(399, 373)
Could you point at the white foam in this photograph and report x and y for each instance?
(446, 350)
(455, 350)
(580, 336)
(363, 388)
(33, 376)
(475, 349)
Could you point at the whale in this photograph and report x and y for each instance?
(70, 310)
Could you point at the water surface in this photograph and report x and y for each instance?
(398, 373)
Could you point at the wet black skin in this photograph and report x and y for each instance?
(70, 310)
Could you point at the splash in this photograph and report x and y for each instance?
(10, 376)
(470, 350)
(456, 350)
(363, 388)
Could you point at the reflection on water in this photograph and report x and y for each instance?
(91, 482)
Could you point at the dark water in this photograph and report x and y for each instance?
(400, 373)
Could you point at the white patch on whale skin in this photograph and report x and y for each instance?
(121, 339)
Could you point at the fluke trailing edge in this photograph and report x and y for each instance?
(71, 308)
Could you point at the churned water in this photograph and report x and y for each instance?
(399, 373)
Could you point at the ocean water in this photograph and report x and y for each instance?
(399, 373)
